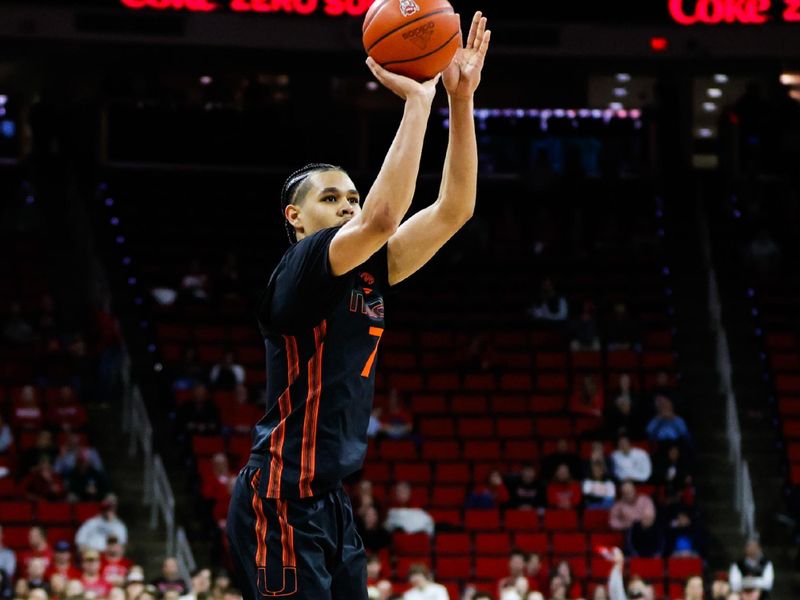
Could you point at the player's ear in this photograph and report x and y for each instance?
(293, 214)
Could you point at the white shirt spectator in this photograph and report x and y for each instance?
(94, 533)
(764, 582)
(8, 561)
(410, 520)
(237, 370)
(634, 465)
(431, 591)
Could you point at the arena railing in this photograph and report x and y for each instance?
(157, 489)
(743, 487)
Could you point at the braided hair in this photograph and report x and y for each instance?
(291, 187)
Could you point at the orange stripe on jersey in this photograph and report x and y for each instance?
(279, 433)
(309, 447)
(287, 536)
(261, 523)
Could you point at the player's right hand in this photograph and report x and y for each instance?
(405, 87)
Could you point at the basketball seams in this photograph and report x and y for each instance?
(421, 56)
(448, 10)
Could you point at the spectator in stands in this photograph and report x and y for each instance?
(91, 578)
(752, 565)
(396, 420)
(600, 593)
(241, 415)
(637, 588)
(8, 559)
(199, 416)
(94, 533)
(195, 285)
(43, 483)
(62, 561)
(562, 455)
(170, 579)
(114, 565)
(672, 472)
(37, 548)
(517, 563)
(16, 330)
(599, 491)
(550, 305)
(630, 462)
(584, 331)
(720, 589)
(762, 255)
(43, 447)
(364, 498)
(374, 536)
(563, 492)
(645, 538)
(227, 374)
(66, 413)
(36, 575)
(491, 494)
(573, 587)
(200, 584)
(624, 413)
(84, 482)
(6, 437)
(535, 595)
(402, 515)
(587, 398)
(664, 386)
(525, 490)
(68, 454)
(537, 573)
(228, 281)
(188, 372)
(666, 426)
(516, 589)
(682, 536)
(422, 585)
(26, 413)
(74, 589)
(622, 332)
(630, 508)
(217, 487)
(374, 579)
(558, 588)
(694, 589)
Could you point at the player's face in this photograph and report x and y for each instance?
(331, 200)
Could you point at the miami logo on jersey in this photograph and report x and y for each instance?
(372, 308)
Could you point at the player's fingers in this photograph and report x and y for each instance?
(473, 29)
(485, 40)
(377, 70)
(479, 33)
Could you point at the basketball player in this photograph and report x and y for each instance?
(290, 525)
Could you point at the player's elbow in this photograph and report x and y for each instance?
(382, 225)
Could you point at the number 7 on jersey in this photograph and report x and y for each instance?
(377, 332)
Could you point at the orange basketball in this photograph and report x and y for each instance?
(415, 38)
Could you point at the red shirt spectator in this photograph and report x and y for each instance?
(62, 562)
(240, 415)
(563, 492)
(26, 414)
(91, 578)
(43, 483)
(114, 566)
(38, 548)
(587, 399)
(66, 412)
(492, 493)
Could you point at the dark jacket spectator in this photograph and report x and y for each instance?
(43, 483)
(84, 482)
(374, 536)
(622, 332)
(200, 416)
(646, 537)
(525, 490)
(170, 579)
(562, 455)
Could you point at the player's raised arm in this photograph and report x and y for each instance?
(419, 238)
(391, 194)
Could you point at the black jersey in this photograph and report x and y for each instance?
(321, 334)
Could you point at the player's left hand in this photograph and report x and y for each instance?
(462, 77)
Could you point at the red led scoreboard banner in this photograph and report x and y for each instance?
(744, 12)
(334, 8)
